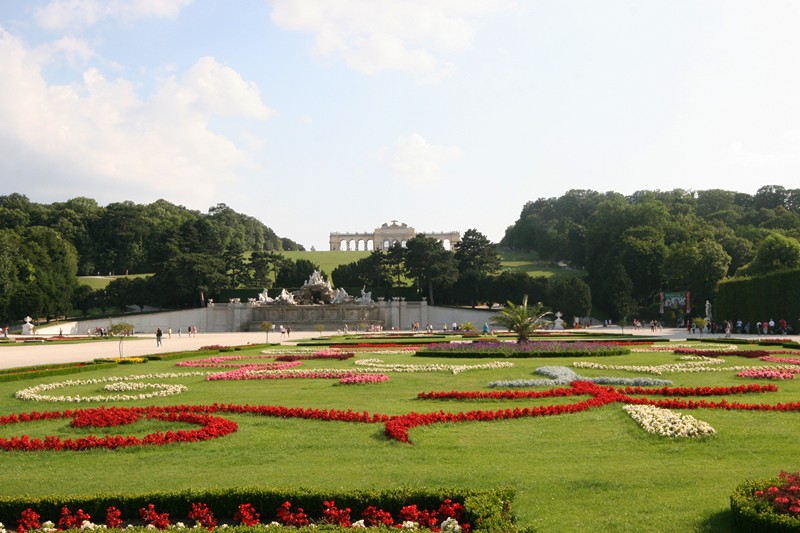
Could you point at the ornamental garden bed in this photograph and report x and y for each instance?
(429, 425)
(455, 508)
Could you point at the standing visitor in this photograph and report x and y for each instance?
(159, 334)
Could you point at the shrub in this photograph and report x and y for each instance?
(768, 505)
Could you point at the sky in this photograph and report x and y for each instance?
(320, 116)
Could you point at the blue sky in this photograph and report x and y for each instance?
(316, 116)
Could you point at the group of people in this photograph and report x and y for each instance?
(190, 330)
(641, 324)
(767, 327)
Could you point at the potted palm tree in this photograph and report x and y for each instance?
(522, 319)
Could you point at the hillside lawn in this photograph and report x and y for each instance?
(329, 260)
(591, 471)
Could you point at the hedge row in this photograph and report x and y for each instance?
(773, 296)
(488, 511)
(476, 354)
(16, 374)
(789, 345)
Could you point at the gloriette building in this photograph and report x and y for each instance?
(386, 235)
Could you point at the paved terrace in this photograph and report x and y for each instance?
(34, 353)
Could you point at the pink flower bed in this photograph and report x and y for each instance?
(787, 360)
(768, 373)
(363, 378)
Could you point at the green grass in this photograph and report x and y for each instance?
(101, 282)
(329, 260)
(594, 470)
(529, 262)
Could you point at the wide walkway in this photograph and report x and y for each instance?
(35, 353)
(32, 354)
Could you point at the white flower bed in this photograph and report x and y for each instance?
(377, 365)
(667, 423)
(117, 384)
(672, 347)
(692, 366)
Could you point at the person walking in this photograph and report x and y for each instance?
(159, 334)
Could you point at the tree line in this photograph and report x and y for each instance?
(633, 247)
(469, 275)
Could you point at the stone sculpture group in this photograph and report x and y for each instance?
(316, 290)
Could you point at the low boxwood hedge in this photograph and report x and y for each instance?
(16, 374)
(488, 511)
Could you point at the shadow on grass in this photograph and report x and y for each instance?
(721, 522)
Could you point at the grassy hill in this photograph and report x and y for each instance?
(327, 261)
(522, 261)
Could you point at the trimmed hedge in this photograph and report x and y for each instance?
(753, 515)
(17, 374)
(487, 511)
(519, 355)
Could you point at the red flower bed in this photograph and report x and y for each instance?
(398, 427)
(247, 515)
(395, 427)
(211, 428)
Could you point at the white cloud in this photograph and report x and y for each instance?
(414, 160)
(98, 131)
(211, 88)
(74, 51)
(61, 14)
(373, 36)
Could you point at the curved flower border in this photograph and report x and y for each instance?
(35, 393)
(211, 428)
(395, 427)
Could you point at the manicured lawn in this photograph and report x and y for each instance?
(101, 282)
(591, 471)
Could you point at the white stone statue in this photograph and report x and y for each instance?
(365, 298)
(27, 327)
(264, 298)
(286, 297)
(316, 279)
(340, 296)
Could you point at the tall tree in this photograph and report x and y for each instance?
(776, 252)
(430, 264)
(295, 273)
(187, 279)
(476, 252)
(395, 261)
(370, 271)
(695, 266)
(570, 295)
(262, 266)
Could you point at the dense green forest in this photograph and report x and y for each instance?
(43, 247)
(635, 246)
(631, 247)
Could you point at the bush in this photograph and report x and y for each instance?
(755, 511)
